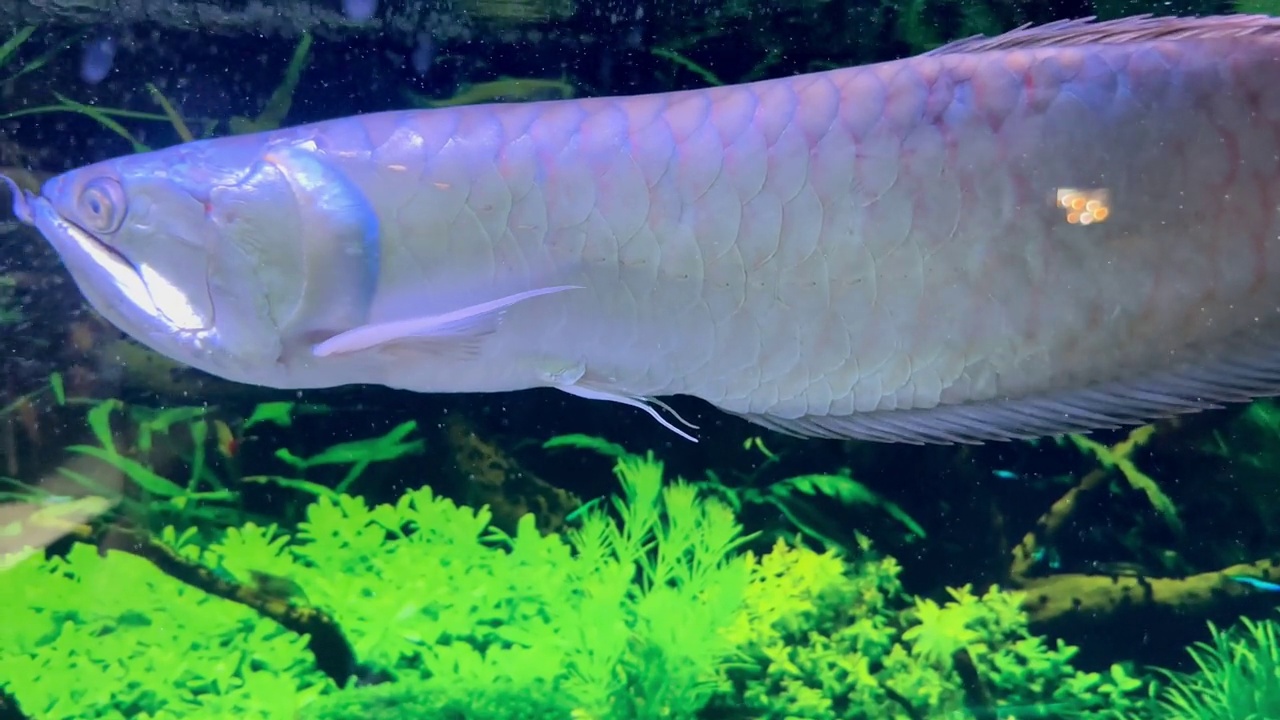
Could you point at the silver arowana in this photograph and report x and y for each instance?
(1063, 228)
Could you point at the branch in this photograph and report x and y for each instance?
(1084, 600)
(1070, 598)
(333, 653)
(484, 474)
(1050, 524)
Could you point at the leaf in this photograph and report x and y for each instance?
(99, 419)
(847, 491)
(199, 436)
(59, 390)
(141, 475)
(387, 447)
(586, 442)
(838, 487)
(707, 76)
(175, 119)
(305, 486)
(281, 99)
(103, 119)
(277, 413)
(161, 421)
(34, 64)
(293, 460)
(11, 45)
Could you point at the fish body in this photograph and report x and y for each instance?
(1062, 228)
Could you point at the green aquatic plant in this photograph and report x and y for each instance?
(1120, 457)
(10, 50)
(358, 455)
(281, 101)
(801, 499)
(649, 609)
(622, 618)
(1237, 676)
(109, 636)
(586, 618)
(272, 115)
(10, 306)
(506, 89)
(180, 465)
(826, 640)
(1258, 7)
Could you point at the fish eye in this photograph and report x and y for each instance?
(102, 205)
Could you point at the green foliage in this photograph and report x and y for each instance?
(137, 449)
(281, 100)
(427, 700)
(272, 116)
(621, 619)
(1238, 677)
(359, 454)
(1260, 7)
(803, 500)
(649, 609)
(506, 89)
(10, 305)
(825, 643)
(108, 636)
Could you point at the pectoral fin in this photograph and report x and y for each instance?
(459, 329)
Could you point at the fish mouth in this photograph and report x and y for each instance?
(89, 260)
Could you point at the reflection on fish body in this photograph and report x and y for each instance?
(1063, 228)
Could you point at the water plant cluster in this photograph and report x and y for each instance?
(650, 606)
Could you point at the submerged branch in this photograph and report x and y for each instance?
(333, 652)
(1078, 601)
(1058, 600)
(1050, 524)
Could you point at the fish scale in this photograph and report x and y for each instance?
(887, 252)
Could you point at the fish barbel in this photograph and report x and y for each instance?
(1063, 228)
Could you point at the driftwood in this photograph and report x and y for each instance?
(1075, 601)
(333, 653)
(289, 18)
(484, 474)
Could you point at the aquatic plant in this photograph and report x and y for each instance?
(506, 89)
(804, 501)
(179, 465)
(650, 608)
(110, 636)
(621, 618)
(1237, 677)
(272, 115)
(830, 641)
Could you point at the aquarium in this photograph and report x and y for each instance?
(636, 360)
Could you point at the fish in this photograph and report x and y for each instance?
(1062, 228)
(1255, 583)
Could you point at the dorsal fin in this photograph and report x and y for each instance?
(1136, 29)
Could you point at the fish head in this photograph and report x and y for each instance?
(178, 248)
